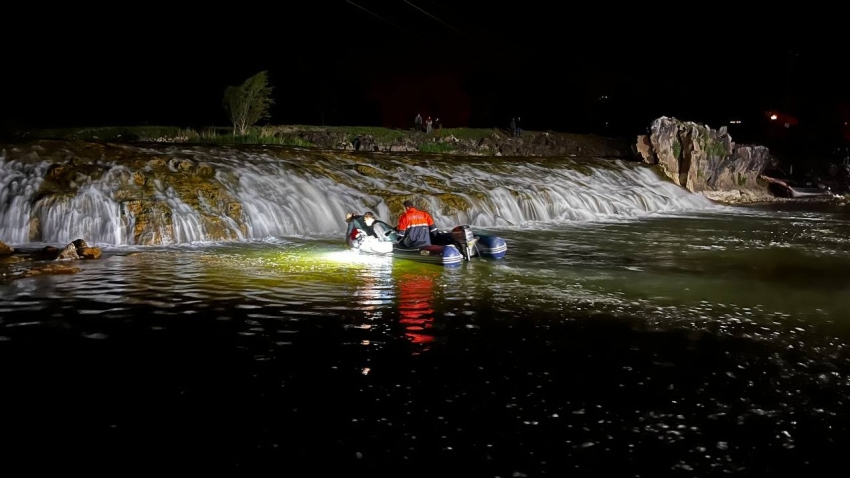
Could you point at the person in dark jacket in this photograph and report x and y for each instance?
(367, 225)
(415, 227)
(378, 228)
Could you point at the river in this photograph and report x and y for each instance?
(633, 328)
(701, 343)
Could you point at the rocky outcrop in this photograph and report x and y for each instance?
(707, 161)
(20, 264)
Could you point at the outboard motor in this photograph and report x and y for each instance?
(465, 240)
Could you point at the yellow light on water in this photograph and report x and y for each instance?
(352, 257)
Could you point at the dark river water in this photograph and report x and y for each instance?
(697, 344)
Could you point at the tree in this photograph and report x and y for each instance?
(249, 102)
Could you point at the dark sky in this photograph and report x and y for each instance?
(473, 63)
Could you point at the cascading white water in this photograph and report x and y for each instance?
(309, 196)
(19, 183)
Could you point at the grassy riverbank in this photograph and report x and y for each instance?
(457, 141)
(280, 135)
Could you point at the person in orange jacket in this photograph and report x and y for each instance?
(415, 227)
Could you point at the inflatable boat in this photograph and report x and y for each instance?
(448, 248)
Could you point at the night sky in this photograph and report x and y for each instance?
(372, 62)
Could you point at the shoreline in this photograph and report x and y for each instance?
(455, 141)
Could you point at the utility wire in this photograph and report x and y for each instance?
(435, 18)
(453, 28)
(392, 23)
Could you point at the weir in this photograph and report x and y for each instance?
(115, 194)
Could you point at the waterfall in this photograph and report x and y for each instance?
(122, 194)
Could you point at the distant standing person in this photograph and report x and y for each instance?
(418, 122)
(428, 125)
(438, 125)
(512, 126)
(518, 127)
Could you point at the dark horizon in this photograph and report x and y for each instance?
(372, 63)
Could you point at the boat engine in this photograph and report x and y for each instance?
(465, 240)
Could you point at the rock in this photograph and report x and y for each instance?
(5, 250)
(157, 163)
(54, 172)
(205, 170)
(186, 166)
(644, 149)
(48, 269)
(701, 159)
(89, 252)
(234, 211)
(68, 253)
(132, 207)
(80, 244)
(34, 232)
(737, 196)
(50, 251)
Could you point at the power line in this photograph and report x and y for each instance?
(435, 18)
(392, 23)
(453, 28)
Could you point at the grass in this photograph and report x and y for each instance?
(262, 135)
(209, 135)
(715, 148)
(282, 135)
(114, 133)
(467, 133)
(381, 135)
(285, 135)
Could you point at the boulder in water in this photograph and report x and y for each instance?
(89, 252)
(77, 249)
(69, 252)
(50, 251)
(19, 265)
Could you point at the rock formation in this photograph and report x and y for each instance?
(707, 161)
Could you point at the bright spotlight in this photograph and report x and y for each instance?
(773, 117)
